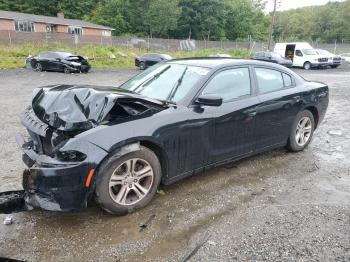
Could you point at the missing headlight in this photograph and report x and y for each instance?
(70, 156)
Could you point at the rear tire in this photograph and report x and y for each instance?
(302, 131)
(307, 66)
(128, 183)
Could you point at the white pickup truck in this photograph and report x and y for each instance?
(302, 54)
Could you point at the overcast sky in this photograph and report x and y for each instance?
(290, 4)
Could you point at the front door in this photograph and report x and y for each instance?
(298, 59)
(233, 132)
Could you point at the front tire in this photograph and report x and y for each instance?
(302, 131)
(128, 183)
(142, 65)
(66, 70)
(38, 67)
(307, 66)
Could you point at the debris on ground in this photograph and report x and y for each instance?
(335, 132)
(196, 248)
(8, 220)
(171, 217)
(314, 167)
(161, 192)
(144, 225)
(12, 201)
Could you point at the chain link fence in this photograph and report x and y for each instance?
(157, 44)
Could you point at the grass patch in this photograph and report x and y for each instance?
(99, 56)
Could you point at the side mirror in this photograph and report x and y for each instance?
(209, 100)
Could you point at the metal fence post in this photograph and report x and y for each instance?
(9, 37)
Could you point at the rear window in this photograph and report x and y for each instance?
(287, 79)
(270, 80)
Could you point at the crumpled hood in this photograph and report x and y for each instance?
(69, 107)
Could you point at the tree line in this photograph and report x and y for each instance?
(200, 19)
(328, 23)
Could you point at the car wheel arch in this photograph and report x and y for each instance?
(129, 147)
(315, 114)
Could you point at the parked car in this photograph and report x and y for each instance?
(59, 61)
(220, 55)
(302, 54)
(148, 60)
(333, 60)
(345, 57)
(272, 57)
(177, 118)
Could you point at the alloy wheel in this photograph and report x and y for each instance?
(131, 181)
(38, 67)
(303, 131)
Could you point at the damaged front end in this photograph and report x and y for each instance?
(60, 161)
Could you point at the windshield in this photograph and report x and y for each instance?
(166, 81)
(309, 52)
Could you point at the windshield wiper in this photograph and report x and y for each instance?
(150, 80)
(176, 86)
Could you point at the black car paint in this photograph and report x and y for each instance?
(59, 64)
(149, 60)
(268, 57)
(188, 138)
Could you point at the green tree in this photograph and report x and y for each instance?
(201, 19)
(111, 13)
(244, 18)
(161, 17)
(76, 9)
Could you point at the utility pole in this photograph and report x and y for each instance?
(272, 24)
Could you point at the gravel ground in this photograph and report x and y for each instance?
(276, 206)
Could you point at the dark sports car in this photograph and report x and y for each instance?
(173, 120)
(148, 60)
(59, 61)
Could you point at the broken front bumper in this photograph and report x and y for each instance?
(55, 185)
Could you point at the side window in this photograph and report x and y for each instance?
(287, 79)
(298, 53)
(269, 80)
(230, 84)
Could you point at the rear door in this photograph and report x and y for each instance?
(233, 133)
(280, 101)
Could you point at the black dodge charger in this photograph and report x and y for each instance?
(173, 120)
(59, 61)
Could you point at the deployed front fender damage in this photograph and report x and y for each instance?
(58, 156)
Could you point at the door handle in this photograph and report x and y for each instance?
(251, 113)
(297, 98)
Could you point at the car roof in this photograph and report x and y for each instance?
(55, 52)
(220, 62)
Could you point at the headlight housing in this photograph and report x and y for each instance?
(70, 156)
